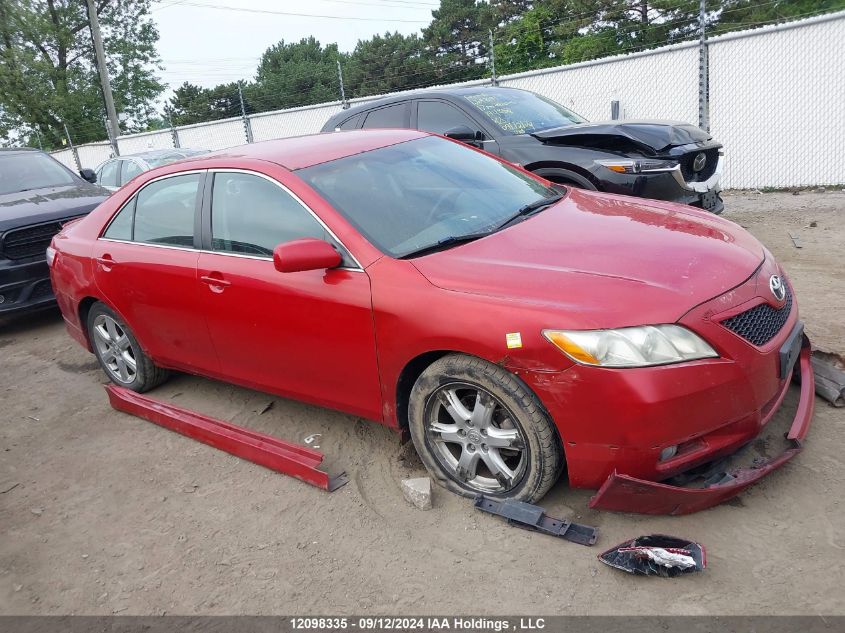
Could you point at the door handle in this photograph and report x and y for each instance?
(215, 283)
(106, 262)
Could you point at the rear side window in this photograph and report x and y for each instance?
(130, 170)
(109, 174)
(121, 226)
(252, 215)
(439, 117)
(165, 211)
(352, 123)
(390, 116)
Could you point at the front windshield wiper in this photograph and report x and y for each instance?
(528, 209)
(446, 242)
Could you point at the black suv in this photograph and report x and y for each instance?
(37, 196)
(666, 160)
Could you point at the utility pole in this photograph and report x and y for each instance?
(703, 70)
(113, 124)
(247, 126)
(344, 102)
(493, 80)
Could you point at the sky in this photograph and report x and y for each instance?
(208, 46)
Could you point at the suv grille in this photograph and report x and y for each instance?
(29, 240)
(760, 324)
(687, 161)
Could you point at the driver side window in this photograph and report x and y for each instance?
(251, 215)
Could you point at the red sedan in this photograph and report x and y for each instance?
(512, 327)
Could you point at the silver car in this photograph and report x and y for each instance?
(116, 172)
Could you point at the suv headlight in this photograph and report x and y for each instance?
(638, 166)
(640, 346)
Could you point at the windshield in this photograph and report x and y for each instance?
(414, 195)
(521, 112)
(22, 171)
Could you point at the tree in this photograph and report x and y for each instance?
(388, 63)
(194, 104)
(48, 73)
(296, 74)
(458, 36)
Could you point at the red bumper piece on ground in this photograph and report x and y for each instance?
(268, 451)
(621, 493)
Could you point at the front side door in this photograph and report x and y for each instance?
(439, 117)
(146, 267)
(307, 335)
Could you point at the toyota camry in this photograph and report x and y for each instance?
(514, 330)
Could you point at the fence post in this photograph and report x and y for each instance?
(38, 135)
(344, 102)
(703, 70)
(72, 148)
(174, 134)
(493, 79)
(247, 125)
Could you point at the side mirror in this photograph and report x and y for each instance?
(464, 134)
(305, 254)
(88, 174)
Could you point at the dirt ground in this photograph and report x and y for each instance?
(104, 513)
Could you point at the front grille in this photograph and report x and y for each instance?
(29, 240)
(709, 167)
(760, 324)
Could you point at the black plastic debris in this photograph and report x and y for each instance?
(657, 555)
(531, 517)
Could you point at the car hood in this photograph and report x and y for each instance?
(603, 261)
(653, 136)
(48, 204)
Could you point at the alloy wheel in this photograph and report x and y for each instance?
(475, 438)
(115, 349)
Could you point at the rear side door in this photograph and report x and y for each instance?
(145, 265)
(307, 335)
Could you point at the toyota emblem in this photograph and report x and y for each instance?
(777, 287)
(699, 162)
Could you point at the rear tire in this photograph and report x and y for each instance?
(480, 430)
(118, 352)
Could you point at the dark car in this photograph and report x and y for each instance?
(38, 195)
(667, 160)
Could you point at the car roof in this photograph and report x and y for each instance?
(417, 94)
(18, 150)
(297, 152)
(159, 153)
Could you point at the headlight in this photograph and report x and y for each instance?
(638, 166)
(640, 346)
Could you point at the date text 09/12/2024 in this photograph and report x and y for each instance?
(431, 623)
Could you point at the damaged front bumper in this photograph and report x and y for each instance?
(622, 493)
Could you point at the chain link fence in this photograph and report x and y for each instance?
(776, 102)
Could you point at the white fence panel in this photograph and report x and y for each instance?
(291, 122)
(777, 102)
(135, 143)
(659, 84)
(214, 135)
(93, 154)
(65, 157)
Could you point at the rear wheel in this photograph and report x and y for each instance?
(479, 429)
(119, 353)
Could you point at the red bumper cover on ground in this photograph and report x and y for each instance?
(622, 493)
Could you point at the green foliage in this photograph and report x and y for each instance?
(296, 74)
(388, 63)
(48, 74)
(458, 38)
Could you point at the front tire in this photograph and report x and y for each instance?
(480, 430)
(118, 352)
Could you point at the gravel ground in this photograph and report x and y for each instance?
(103, 513)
